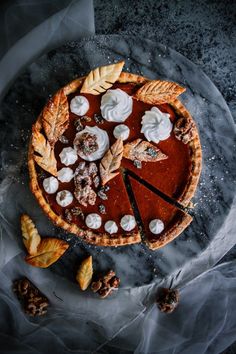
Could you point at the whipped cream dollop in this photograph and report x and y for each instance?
(121, 131)
(111, 227)
(93, 221)
(156, 125)
(116, 105)
(102, 142)
(156, 226)
(64, 198)
(50, 185)
(68, 156)
(128, 222)
(79, 105)
(65, 174)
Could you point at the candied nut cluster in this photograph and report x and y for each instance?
(167, 300)
(85, 177)
(33, 301)
(86, 143)
(105, 285)
(184, 129)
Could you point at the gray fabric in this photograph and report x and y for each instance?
(71, 23)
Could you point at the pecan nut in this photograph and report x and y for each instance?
(105, 285)
(33, 301)
(184, 129)
(167, 300)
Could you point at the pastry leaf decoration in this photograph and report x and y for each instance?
(111, 162)
(85, 273)
(31, 237)
(102, 78)
(49, 251)
(55, 117)
(142, 150)
(159, 92)
(47, 159)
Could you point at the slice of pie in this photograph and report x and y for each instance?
(162, 222)
(95, 130)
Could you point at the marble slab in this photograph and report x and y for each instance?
(136, 265)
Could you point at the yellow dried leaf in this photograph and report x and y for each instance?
(31, 237)
(47, 159)
(85, 273)
(55, 116)
(102, 78)
(49, 251)
(111, 161)
(159, 92)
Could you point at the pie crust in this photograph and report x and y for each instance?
(105, 239)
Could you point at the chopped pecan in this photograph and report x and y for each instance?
(86, 143)
(78, 125)
(63, 139)
(33, 301)
(102, 209)
(68, 215)
(184, 129)
(105, 285)
(76, 211)
(98, 118)
(167, 300)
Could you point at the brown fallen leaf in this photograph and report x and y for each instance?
(102, 78)
(31, 237)
(111, 162)
(55, 116)
(85, 273)
(142, 150)
(47, 159)
(158, 92)
(49, 251)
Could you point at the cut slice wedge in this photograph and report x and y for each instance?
(152, 206)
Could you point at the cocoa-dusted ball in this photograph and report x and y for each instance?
(167, 300)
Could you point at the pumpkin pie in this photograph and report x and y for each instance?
(98, 129)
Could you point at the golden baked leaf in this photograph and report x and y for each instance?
(31, 237)
(159, 92)
(85, 273)
(111, 162)
(55, 116)
(47, 159)
(49, 251)
(142, 150)
(102, 78)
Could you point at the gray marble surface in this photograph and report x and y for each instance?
(136, 265)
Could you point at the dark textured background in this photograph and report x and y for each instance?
(202, 30)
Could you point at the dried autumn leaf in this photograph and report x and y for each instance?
(142, 150)
(55, 116)
(102, 78)
(85, 273)
(49, 251)
(111, 161)
(31, 237)
(158, 92)
(47, 159)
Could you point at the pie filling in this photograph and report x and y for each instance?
(112, 202)
(157, 215)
